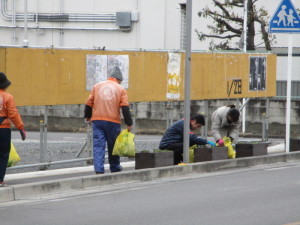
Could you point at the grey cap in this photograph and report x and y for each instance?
(117, 73)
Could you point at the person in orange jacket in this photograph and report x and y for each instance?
(8, 114)
(102, 108)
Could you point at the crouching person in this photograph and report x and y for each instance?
(226, 122)
(173, 138)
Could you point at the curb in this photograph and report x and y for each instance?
(22, 191)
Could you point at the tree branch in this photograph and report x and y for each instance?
(228, 26)
(219, 37)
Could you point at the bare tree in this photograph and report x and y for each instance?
(228, 24)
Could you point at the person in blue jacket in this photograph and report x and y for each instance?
(173, 137)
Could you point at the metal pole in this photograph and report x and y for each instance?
(263, 127)
(25, 41)
(267, 118)
(171, 112)
(61, 32)
(13, 21)
(45, 128)
(245, 25)
(245, 51)
(89, 139)
(288, 95)
(134, 113)
(187, 84)
(47, 164)
(42, 152)
(244, 103)
(168, 115)
(206, 119)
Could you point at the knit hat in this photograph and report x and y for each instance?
(117, 73)
(4, 82)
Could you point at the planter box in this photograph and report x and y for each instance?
(294, 145)
(251, 149)
(209, 154)
(151, 160)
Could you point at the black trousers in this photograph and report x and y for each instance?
(5, 139)
(177, 148)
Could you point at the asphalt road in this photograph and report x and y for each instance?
(266, 195)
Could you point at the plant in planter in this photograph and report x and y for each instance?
(204, 153)
(247, 149)
(157, 158)
(294, 144)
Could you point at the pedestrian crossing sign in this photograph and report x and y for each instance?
(285, 19)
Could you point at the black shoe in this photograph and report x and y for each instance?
(121, 168)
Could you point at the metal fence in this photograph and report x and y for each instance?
(281, 75)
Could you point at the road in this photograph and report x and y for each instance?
(265, 195)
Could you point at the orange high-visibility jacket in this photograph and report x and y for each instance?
(106, 98)
(8, 109)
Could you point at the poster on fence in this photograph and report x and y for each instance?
(257, 75)
(173, 76)
(99, 67)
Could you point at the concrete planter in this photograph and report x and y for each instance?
(204, 153)
(155, 159)
(294, 145)
(248, 149)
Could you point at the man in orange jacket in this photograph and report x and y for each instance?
(103, 109)
(8, 114)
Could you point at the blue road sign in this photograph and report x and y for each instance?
(285, 19)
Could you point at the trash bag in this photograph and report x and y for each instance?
(231, 152)
(124, 145)
(191, 153)
(14, 158)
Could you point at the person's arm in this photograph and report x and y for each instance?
(234, 132)
(14, 116)
(194, 140)
(125, 110)
(216, 126)
(88, 110)
(127, 115)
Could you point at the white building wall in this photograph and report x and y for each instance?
(158, 25)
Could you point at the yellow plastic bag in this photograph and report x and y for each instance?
(227, 143)
(13, 156)
(191, 153)
(124, 145)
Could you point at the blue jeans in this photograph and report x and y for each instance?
(105, 132)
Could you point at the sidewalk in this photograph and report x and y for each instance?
(41, 183)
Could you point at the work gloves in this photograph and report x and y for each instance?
(220, 142)
(23, 134)
(212, 144)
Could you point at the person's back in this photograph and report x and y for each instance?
(225, 122)
(174, 134)
(106, 99)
